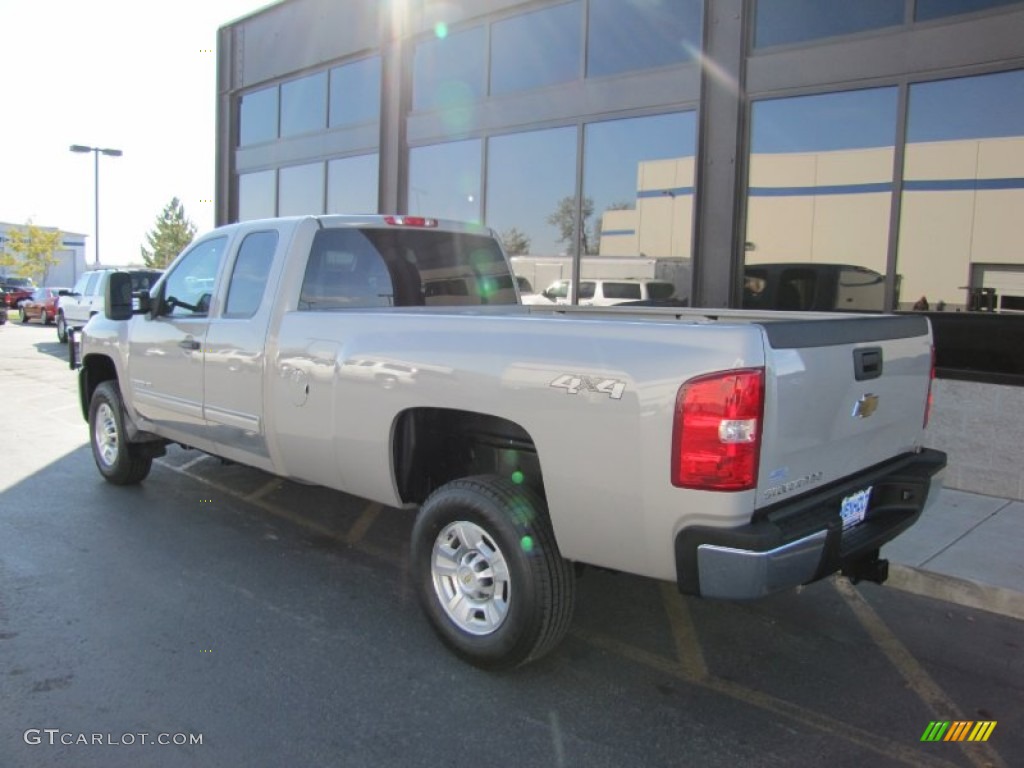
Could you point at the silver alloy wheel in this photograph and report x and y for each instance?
(471, 578)
(105, 435)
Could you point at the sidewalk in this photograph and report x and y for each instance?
(968, 550)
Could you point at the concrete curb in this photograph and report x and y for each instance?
(963, 592)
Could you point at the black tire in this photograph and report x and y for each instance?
(536, 598)
(120, 462)
(62, 329)
(44, 318)
(24, 316)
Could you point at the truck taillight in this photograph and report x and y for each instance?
(410, 221)
(716, 436)
(928, 400)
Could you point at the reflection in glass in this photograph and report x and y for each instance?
(257, 195)
(528, 175)
(444, 180)
(963, 193)
(301, 190)
(448, 72)
(535, 49)
(257, 120)
(934, 9)
(304, 105)
(638, 192)
(819, 197)
(627, 36)
(355, 92)
(780, 22)
(352, 184)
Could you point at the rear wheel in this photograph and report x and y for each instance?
(62, 329)
(488, 572)
(44, 318)
(120, 462)
(23, 314)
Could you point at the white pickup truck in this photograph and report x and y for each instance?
(731, 452)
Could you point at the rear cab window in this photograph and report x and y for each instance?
(390, 267)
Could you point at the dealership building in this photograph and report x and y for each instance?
(886, 135)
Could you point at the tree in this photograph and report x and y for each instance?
(564, 219)
(171, 235)
(31, 250)
(515, 241)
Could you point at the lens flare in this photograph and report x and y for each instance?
(517, 477)
(441, 30)
(526, 543)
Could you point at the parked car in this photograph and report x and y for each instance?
(16, 290)
(86, 299)
(608, 292)
(42, 306)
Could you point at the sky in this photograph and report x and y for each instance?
(139, 76)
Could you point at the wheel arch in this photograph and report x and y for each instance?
(432, 446)
(94, 371)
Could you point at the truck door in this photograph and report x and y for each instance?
(235, 351)
(167, 350)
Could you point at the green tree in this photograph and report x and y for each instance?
(515, 241)
(171, 235)
(31, 250)
(564, 219)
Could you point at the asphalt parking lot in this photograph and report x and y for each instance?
(277, 623)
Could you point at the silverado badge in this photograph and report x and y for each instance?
(864, 407)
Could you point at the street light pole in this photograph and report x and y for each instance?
(96, 151)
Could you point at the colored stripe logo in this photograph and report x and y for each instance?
(958, 730)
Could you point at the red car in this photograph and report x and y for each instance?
(42, 306)
(16, 290)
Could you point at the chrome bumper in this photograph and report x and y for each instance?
(740, 574)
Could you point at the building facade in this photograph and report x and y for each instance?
(882, 134)
(70, 257)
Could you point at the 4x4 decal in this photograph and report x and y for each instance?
(574, 384)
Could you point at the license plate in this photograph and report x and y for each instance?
(854, 507)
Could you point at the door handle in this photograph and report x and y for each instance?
(189, 343)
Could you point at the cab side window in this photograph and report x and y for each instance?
(189, 287)
(249, 274)
(91, 283)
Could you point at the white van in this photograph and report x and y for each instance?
(607, 292)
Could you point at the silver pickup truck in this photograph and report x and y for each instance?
(731, 452)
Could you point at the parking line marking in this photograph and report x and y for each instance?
(684, 633)
(291, 517)
(810, 718)
(189, 464)
(265, 489)
(363, 523)
(980, 755)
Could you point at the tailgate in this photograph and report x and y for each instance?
(841, 395)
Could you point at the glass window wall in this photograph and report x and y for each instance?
(536, 49)
(638, 183)
(352, 184)
(257, 195)
(818, 201)
(925, 10)
(782, 22)
(304, 105)
(963, 193)
(449, 70)
(301, 190)
(444, 180)
(526, 198)
(257, 120)
(627, 36)
(355, 92)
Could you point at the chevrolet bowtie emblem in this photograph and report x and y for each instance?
(864, 407)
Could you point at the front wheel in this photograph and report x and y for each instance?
(488, 572)
(62, 329)
(120, 462)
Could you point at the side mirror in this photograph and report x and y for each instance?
(64, 292)
(117, 298)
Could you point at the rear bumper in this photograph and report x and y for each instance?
(801, 540)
